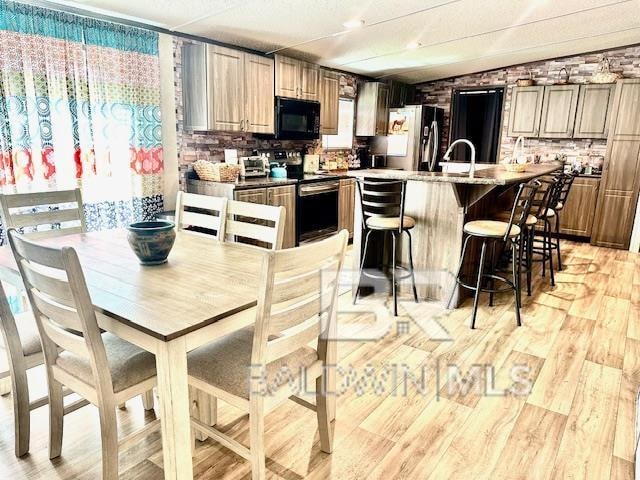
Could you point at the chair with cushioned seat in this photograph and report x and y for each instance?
(382, 203)
(566, 180)
(251, 368)
(41, 215)
(542, 241)
(490, 232)
(21, 342)
(100, 367)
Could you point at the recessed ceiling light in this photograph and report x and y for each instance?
(353, 24)
(413, 45)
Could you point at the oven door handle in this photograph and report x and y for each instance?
(313, 190)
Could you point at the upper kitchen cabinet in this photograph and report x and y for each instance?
(526, 106)
(194, 86)
(594, 106)
(226, 89)
(401, 94)
(329, 102)
(259, 93)
(297, 79)
(559, 111)
(372, 109)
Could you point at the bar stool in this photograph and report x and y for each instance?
(563, 192)
(492, 231)
(542, 243)
(526, 240)
(382, 203)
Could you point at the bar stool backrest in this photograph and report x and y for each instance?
(563, 190)
(522, 204)
(545, 196)
(382, 198)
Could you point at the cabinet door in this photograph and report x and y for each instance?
(577, 215)
(366, 109)
(346, 205)
(621, 176)
(286, 197)
(309, 81)
(382, 109)
(254, 195)
(226, 89)
(259, 89)
(329, 102)
(559, 111)
(524, 114)
(594, 109)
(194, 86)
(287, 77)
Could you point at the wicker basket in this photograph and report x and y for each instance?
(604, 73)
(216, 172)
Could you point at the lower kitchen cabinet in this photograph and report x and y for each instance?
(346, 204)
(577, 215)
(254, 195)
(286, 197)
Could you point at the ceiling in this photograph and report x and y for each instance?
(449, 37)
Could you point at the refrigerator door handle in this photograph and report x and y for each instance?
(436, 146)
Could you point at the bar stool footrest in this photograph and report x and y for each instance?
(510, 285)
(383, 276)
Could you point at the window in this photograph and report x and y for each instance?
(344, 138)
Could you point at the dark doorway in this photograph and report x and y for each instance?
(476, 116)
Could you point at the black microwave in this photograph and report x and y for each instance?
(297, 119)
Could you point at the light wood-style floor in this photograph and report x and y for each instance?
(579, 346)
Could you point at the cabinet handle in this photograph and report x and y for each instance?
(242, 125)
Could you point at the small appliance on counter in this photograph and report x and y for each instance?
(291, 163)
(362, 158)
(311, 163)
(253, 166)
(378, 161)
(278, 171)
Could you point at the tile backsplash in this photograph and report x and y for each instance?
(581, 67)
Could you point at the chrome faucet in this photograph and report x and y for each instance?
(472, 166)
(519, 141)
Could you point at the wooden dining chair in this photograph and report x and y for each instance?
(100, 367)
(21, 342)
(64, 215)
(206, 213)
(251, 368)
(254, 223)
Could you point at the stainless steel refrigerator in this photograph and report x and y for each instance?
(413, 138)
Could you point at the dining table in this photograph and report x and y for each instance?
(206, 289)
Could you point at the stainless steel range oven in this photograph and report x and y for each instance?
(317, 210)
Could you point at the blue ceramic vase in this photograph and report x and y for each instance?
(152, 241)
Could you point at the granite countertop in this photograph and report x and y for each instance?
(257, 182)
(494, 175)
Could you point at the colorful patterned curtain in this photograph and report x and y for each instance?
(80, 106)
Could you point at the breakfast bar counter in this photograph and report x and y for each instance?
(441, 203)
